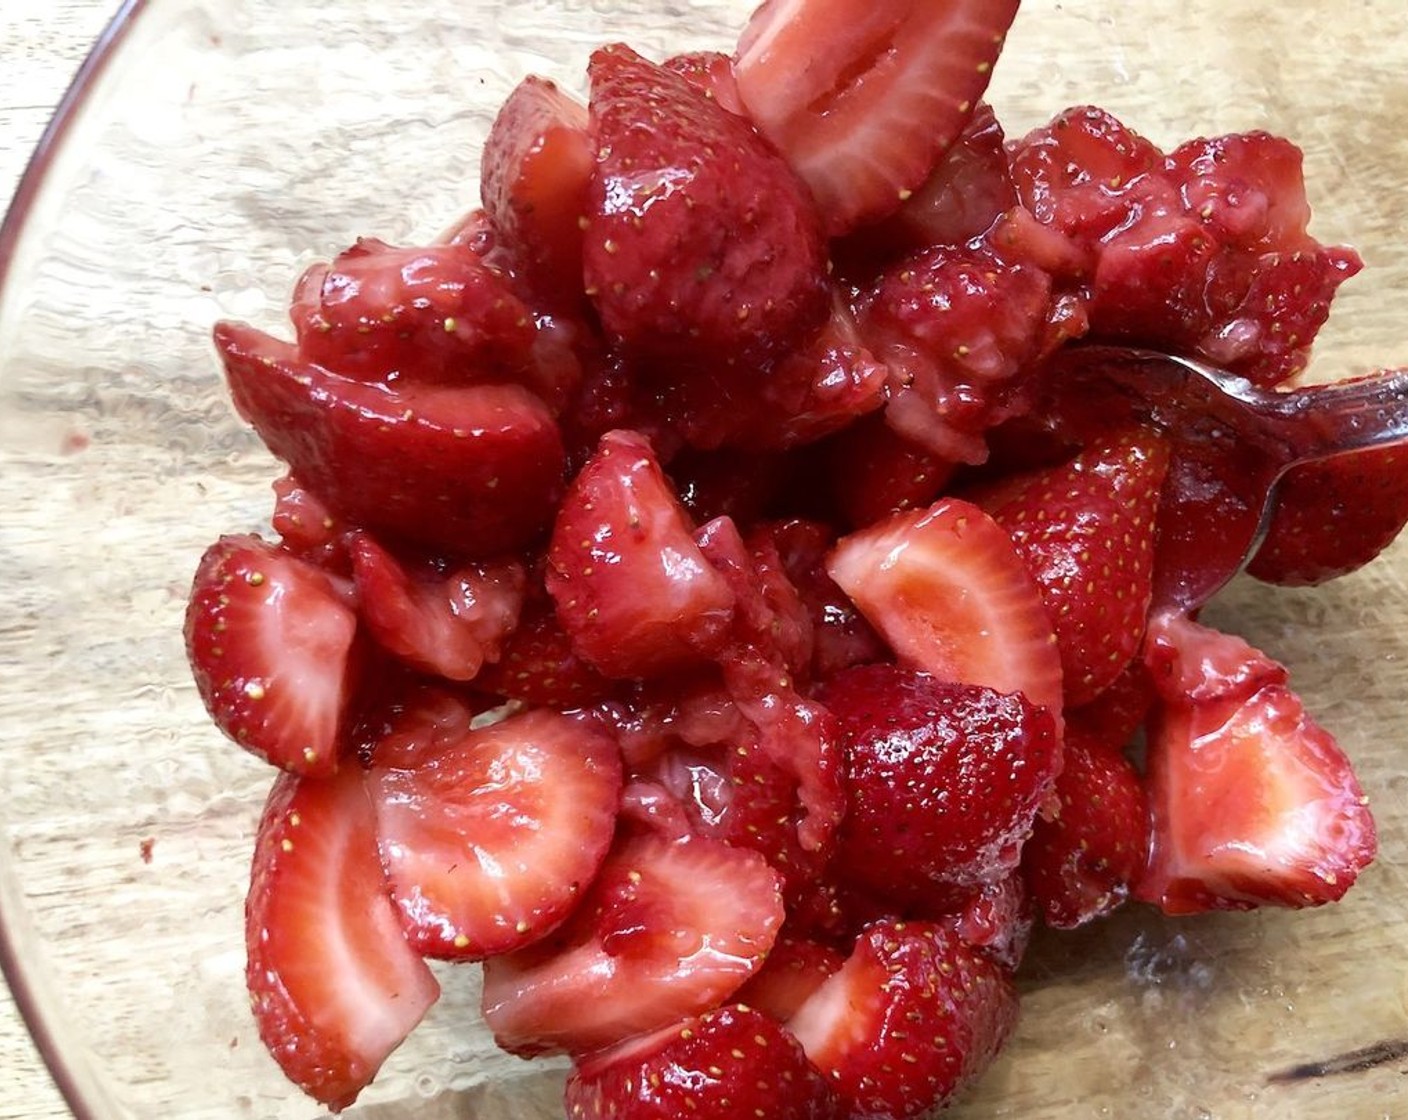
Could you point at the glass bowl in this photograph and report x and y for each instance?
(211, 149)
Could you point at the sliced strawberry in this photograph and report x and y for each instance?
(795, 968)
(408, 719)
(944, 781)
(537, 162)
(632, 588)
(1191, 663)
(1086, 532)
(489, 840)
(538, 666)
(333, 984)
(710, 72)
(666, 930)
(447, 623)
(911, 1018)
(865, 98)
(1253, 802)
(467, 469)
(700, 241)
(733, 1062)
(269, 638)
(949, 593)
(1332, 518)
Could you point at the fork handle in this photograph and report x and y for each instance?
(1321, 421)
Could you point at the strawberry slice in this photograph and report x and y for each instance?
(1253, 802)
(460, 469)
(1086, 532)
(632, 589)
(700, 241)
(269, 638)
(445, 623)
(948, 591)
(333, 984)
(795, 968)
(667, 930)
(733, 1062)
(488, 839)
(909, 1020)
(865, 96)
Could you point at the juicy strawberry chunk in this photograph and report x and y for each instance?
(874, 471)
(1253, 802)
(1333, 517)
(1081, 861)
(269, 638)
(1085, 530)
(466, 469)
(944, 781)
(538, 666)
(864, 98)
(949, 593)
(538, 159)
(445, 623)
(795, 968)
(733, 1062)
(632, 588)
(333, 984)
(667, 930)
(489, 840)
(306, 526)
(997, 920)
(699, 241)
(911, 1018)
(710, 72)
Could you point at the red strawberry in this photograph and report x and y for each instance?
(874, 471)
(1081, 862)
(269, 637)
(733, 1062)
(407, 717)
(667, 930)
(795, 968)
(445, 623)
(1333, 517)
(997, 920)
(538, 667)
(489, 840)
(1248, 188)
(537, 162)
(911, 1019)
(944, 781)
(699, 240)
(632, 589)
(467, 469)
(1253, 802)
(711, 72)
(333, 984)
(306, 526)
(1114, 718)
(1085, 530)
(865, 98)
(948, 591)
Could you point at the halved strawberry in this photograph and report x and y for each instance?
(667, 930)
(734, 1062)
(269, 637)
(537, 162)
(472, 470)
(948, 591)
(1086, 532)
(865, 97)
(1253, 802)
(632, 589)
(490, 840)
(700, 241)
(448, 623)
(333, 984)
(911, 1018)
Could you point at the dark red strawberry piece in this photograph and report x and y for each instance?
(865, 98)
(1253, 802)
(666, 930)
(406, 718)
(1086, 531)
(997, 920)
(732, 1062)
(910, 1020)
(795, 968)
(1115, 716)
(333, 984)
(306, 526)
(943, 782)
(710, 72)
(444, 622)
(270, 637)
(875, 471)
(466, 469)
(700, 241)
(947, 590)
(632, 589)
(537, 664)
(489, 840)
(538, 159)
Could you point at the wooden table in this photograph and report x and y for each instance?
(42, 43)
